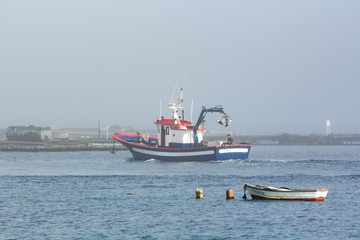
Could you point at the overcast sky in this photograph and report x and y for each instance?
(275, 66)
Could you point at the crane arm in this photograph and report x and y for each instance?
(201, 118)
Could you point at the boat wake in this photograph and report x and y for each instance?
(266, 160)
(253, 161)
(150, 160)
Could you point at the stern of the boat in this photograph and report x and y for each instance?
(233, 152)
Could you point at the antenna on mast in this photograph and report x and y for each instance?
(172, 96)
(181, 100)
(160, 108)
(192, 105)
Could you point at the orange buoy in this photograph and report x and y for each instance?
(230, 194)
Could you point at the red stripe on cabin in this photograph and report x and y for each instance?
(168, 122)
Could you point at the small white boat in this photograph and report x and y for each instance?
(273, 193)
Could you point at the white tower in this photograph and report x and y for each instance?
(327, 127)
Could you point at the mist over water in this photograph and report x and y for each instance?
(274, 66)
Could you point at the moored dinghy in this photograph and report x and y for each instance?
(273, 193)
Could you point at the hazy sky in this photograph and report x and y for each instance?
(275, 66)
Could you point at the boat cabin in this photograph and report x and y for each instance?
(176, 133)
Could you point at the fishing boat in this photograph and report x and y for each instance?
(180, 140)
(283, 193)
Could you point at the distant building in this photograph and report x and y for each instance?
(28, 134)
(328, 128)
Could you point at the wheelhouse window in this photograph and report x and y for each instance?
(167, 130)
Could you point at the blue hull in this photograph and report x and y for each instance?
(198, 154)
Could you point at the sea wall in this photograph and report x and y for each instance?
(60, 146)
(291, 139)
(88, 140)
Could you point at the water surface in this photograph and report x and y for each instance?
(97, 195)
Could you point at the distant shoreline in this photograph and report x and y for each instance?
(295, 139)
(107, 145)
(59, 146)
(85, 140)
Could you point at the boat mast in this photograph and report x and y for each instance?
(160, 109)
(174, 108)
(191, 114)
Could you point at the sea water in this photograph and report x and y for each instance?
(98, 195)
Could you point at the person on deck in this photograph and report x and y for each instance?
(140, 138)
(230, 141)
